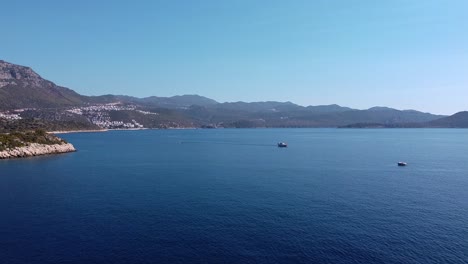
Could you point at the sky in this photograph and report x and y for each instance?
(406, 54)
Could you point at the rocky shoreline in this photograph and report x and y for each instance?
(35, 149)
(77, 131)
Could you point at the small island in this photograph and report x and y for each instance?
(32, 143)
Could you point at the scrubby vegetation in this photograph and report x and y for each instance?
(20, 139)
(30, 124)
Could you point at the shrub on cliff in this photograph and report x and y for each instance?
(19, 139)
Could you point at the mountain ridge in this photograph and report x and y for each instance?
(21, 87)
(28, 77)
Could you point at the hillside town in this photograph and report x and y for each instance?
(10, 116)
(96, 114)
(99, 115)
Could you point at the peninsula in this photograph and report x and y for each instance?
(32, 143)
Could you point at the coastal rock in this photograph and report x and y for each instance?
(35, 149)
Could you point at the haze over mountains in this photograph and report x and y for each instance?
(21, 87)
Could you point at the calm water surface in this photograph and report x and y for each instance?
(232, 196)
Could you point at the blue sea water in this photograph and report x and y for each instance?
(232, 196)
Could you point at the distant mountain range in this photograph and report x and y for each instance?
(458, 120)
(21, 87)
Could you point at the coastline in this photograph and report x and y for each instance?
(96, 131)
(77, 131)
(123, 129)
(35, 149)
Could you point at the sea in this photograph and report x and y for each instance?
(233, 196)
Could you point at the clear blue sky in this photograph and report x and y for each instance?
(398, 53)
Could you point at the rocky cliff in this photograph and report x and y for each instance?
(21, 87)
(35, 149)
(11, 74)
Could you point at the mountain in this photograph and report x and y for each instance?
(262, 115)
(108, 98)
(174, 102)
(458, 120)
(380, 108)
(21, 87)
(272, 107)
(383, 116)
(394, 116)
(178, 101)
(328, 108)
(269, 106)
